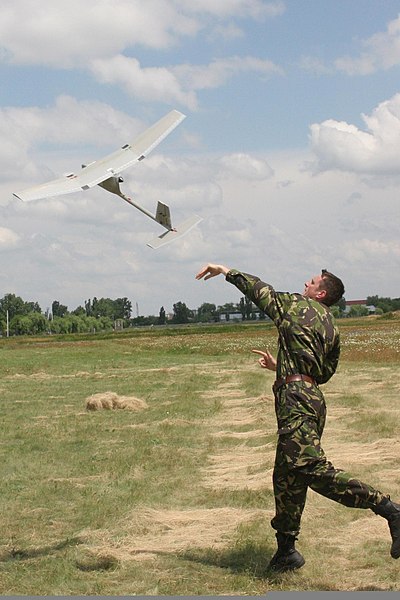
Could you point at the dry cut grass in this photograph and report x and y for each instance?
(111, 400)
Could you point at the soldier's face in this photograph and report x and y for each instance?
(312, 288)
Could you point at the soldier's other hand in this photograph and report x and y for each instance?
(267, 361)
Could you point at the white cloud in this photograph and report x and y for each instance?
(221, 70)
(340, 145)
(100, 37)
(314, 65)
(256, 9)
(381, 51)
(151, 83)
(8, 238)
(68, 121)
(226, 32)
(245, 166)
(367, 250)
(175, 84)
(68, 33)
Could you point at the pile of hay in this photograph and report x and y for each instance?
(111, 400)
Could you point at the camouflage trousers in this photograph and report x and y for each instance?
(301, 463)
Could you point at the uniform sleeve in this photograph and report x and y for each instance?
(272, 303)
(331, 362)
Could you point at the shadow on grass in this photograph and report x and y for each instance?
(11, 553)
(251, 558)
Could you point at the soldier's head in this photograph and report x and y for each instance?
(325, 288)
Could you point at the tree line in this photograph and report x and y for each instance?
(18, 317)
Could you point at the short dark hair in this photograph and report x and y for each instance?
(333, 286)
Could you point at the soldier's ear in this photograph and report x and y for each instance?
(321, 295)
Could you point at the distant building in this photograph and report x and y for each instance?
(237, 316)
(350, 303)
(356, 303)
(230, 316)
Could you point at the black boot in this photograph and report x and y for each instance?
(286, 558)
(391, 512)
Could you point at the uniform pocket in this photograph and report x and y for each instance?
(301, 444)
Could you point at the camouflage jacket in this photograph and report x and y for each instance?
(306, 327)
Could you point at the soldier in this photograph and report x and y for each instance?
(308, 354)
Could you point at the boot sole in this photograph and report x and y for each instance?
(288, 567)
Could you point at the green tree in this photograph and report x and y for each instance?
(242, 308)
(144, 321)
(13, 304)
(88, 307)
(207, 312)
(335, 310)
(58, 310)
(162, 317)
(33, 323)
(358, 310)
(341, 304)
(122, 308)
(386, 304)
(104, 307)
(228, 307)
(39, 323)
(94, 308)
(245, 307)
(182, 313)
(20, 325)
(32, 307)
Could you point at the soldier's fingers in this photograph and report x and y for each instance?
(260, 352)
(201, 273)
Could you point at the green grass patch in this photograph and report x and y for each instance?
(175, 497)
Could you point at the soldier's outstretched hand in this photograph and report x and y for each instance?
(211, 270)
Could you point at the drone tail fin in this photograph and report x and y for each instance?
(173, 234)
(163, 215)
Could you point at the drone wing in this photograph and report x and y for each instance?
(110, 165)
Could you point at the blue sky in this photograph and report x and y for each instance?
(289, 151)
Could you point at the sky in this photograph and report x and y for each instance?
(289, 151)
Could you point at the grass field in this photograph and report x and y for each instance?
(172, 495)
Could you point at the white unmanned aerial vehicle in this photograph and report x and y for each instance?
(106, 173)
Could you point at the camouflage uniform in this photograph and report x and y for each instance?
(308, 344)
